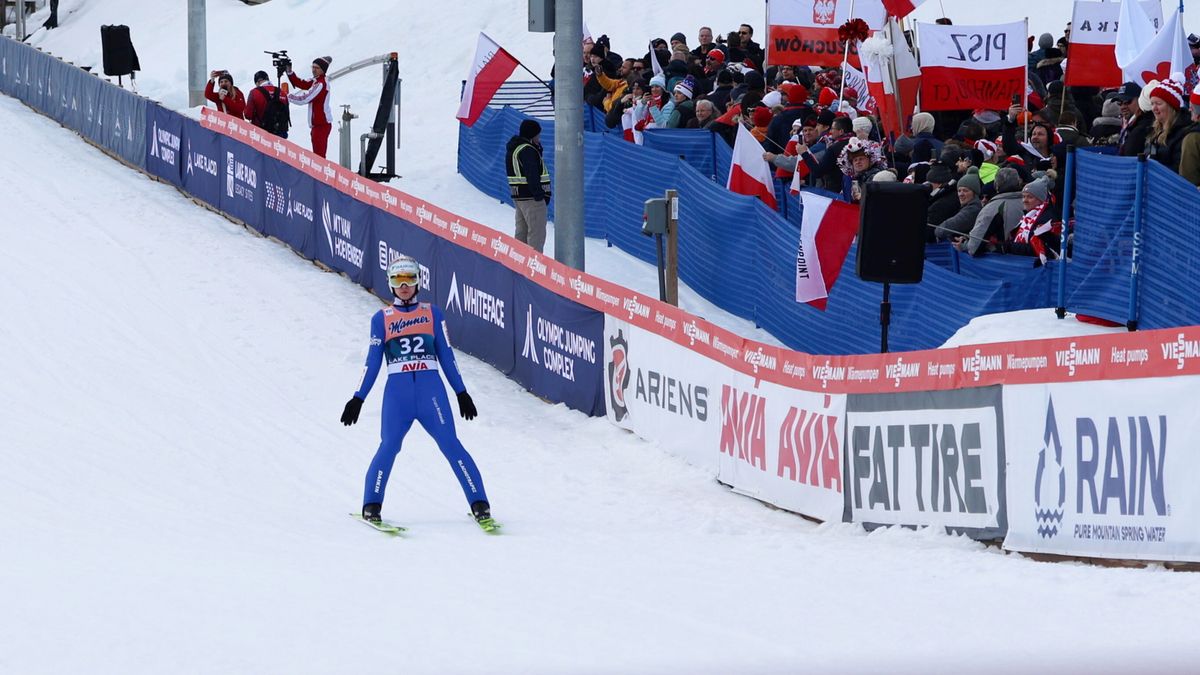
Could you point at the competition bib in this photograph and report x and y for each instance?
(408, 342)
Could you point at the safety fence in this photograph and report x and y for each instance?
(754, 247)
(1073, 447)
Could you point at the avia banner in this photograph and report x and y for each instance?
(771, 442)
(805, 32)
(968, 67)
(927, 458)
(1104, 469)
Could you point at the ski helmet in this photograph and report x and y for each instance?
(404, 271)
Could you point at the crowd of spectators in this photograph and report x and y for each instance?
(995, 175)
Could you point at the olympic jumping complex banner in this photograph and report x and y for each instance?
(1077, 447)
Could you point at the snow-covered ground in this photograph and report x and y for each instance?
(174, 484)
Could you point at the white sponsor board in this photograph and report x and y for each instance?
(927, 458)
(1104, 469)
(771, 442)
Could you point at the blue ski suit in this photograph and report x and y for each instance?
(412, 340)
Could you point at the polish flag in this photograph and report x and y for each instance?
(749, 174)
(1134, 32)
(969, 67)
(827, 228)
(805, 32)
(1167, 54)
(901, 8)
(1093, 61)
(895, 99)
(492, 66)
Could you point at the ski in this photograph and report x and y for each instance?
(383, 525)
(488, 525)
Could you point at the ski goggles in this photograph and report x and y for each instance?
(404, 279)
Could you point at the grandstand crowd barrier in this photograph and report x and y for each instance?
(1070, 446)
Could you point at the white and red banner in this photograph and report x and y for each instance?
(1104, 469)
(805, 32)
(489, 69)
(775, 443)
(827, 228)
(1167, 54)
(894, 92)
(901, 8)
(968, 67)
(749, 174)
(1093, 61)
(1135, 30)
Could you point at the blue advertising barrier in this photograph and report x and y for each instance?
(289, 205)
(476, 296)
(201, 175)
(163, 157)
(344, 235)
(559, 349)
(393, 237)
(242, 196)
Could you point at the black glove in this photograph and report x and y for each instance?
(350, 413)
(466, 407)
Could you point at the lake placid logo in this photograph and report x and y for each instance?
(618, 375)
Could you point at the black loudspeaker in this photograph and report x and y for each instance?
(891, 232)
(119, 55)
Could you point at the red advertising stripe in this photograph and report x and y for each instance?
(805, 46)
(944, 88)
(1093, 66)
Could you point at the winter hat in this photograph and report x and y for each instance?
(773, 98)
(939, 173)
(679, 37)
(826, 118)
(1110, 108)
(260, 76)
(658, 81)
(724, 77)
(716, 55)
(323, 63)
(762, 116)
(849, 94)
(529, 129)
(827, 97)
(971, 181)
(1045, 41)
(686, 86)
(885, 176)
(754, 80)
(903, 146)
(1144, 97)
(1194, 99)
(986, 148)
(856, 146)
(1039, 188)
(810, 122)
(862, 124)
(949, 155)
(922, 122)
(1170, 92)
(795, 93)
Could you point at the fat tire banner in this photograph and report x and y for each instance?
(1105, 469)
(927, 459)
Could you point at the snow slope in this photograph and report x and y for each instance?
(174, 483)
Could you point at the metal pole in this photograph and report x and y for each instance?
(20, 10)
(1068, 194)
(568, 133)
(1134, 271)
(671, 295)
(197, 51)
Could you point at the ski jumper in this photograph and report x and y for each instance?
(412, 340)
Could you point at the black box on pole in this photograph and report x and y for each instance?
(891, 232)
(120, 58)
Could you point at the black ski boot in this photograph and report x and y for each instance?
(483, 515)
(370, 512)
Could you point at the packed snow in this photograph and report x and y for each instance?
(175, 481)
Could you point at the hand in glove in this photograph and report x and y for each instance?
(466, 407)
(350, 413)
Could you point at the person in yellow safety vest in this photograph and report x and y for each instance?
(529, 183)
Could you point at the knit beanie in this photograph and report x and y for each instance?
(679, 37)
(685, 87)
(1194, 99)
(529, 129)
(862, 123)
(754, 80)
(762, 116)
(922, 122)
(716, 55)
(323, 63)
(1170, 92)
(939, 173)
(827, 97)
(658, 81)
(1039, 188)
(795, 93)
(1046, 41)
(971, 181)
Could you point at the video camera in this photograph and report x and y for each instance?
(281, 62)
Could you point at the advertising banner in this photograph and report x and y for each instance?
(392, 238)
(289, 207)
(124, 124)
(476, 296)
(927, 458)
(343, 233)
(201, 163)
(560, 355)
(805, 32)
(771, 442)
(1104, 469)
(967, 67)
(163, 157)
(89, 108)
(242, 196)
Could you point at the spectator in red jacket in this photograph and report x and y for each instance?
(314, 93)
(256, 103)
(227, 98)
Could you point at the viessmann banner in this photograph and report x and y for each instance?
(1105, 469)
(777, 444)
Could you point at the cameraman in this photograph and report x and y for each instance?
(262, 106)
(315, 94)
(228, 98)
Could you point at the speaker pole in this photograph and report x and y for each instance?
(885, 317)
